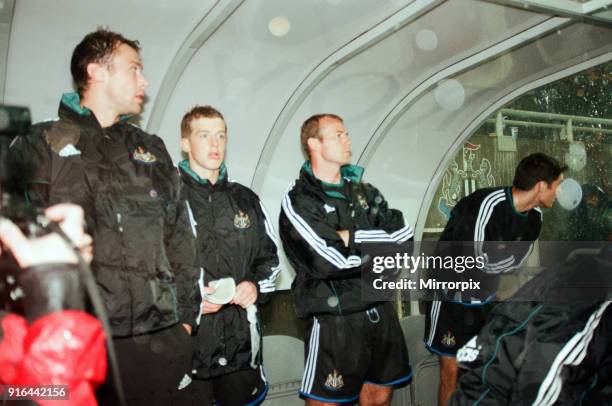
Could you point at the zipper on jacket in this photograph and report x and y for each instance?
(214, 236)
(124, 274)
(115, 196)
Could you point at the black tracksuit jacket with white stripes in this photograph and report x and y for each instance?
(234, 239)
(556, 351)
(487, 224)
(328, 273)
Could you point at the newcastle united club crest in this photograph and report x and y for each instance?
(462, 178)
(242, 220)
(334, 381)
(448, 339)
(363, 202)
(143, 156)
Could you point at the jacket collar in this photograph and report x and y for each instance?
(70, 109)
(189, 174)
(348, 173)
(510, 199)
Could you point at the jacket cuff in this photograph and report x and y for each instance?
(188, 315)
(353, 247)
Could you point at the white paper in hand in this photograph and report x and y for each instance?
(225, 289)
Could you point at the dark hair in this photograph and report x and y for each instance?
(199, 112)
(96, 47)
(310, 129)
(535, 168)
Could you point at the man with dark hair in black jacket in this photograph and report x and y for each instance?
(501, 223)
(124, 179)
(354, 348)
(235, 239)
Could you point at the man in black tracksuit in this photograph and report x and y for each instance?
(354, 348)
(235, 239)
(499, 225)
(144, 251)
(551, 343)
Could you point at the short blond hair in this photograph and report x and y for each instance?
(311, 127)
(199, 112)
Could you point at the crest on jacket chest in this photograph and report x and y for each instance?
(362, 201)
(141, 155)
(242, 220)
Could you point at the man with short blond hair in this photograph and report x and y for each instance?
(235, 239)
(354, 347)
(311, 129)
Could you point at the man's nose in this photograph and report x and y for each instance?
(144, 83)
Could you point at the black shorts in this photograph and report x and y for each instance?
(344, 352)
(450, 325)
(241, 388)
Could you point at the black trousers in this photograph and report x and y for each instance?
(152, 367)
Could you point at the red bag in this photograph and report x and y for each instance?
(62, 348)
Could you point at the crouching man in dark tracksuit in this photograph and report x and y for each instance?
(235, 239)
(551, 344)
(355, 348)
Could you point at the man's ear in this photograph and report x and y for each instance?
(96, 72)
(314, 144)
(185, 145)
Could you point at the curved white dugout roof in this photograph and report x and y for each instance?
(411, 78)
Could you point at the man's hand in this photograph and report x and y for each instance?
(187, 327)
(344, 234)
(246, 294)
(208, 306)
(50, 248)
(71, 219)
